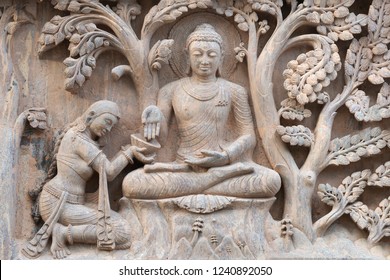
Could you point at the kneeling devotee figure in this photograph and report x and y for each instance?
(68, 217)
(216, 136)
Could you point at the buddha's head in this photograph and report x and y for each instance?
(204, 48)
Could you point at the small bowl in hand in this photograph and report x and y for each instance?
(139, 141)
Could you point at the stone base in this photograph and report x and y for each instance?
(164, 229)
(242, 229)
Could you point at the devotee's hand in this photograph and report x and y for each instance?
(151, 119)
(138, 154)
(209, 159)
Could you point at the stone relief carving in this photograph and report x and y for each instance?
(210, 156)
(213, 198)
(69, 217)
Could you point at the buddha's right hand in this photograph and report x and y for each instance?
(151, 119)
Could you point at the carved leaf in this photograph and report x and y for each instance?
(336, 21)
(128, 10)
(37, 118)
(311, 72)
(349, 148)
(329, 195)
(160, 53)
(381, 226)
(374, 54)
(358, 104)
(61, 5)
(240, 52)
(381, 177)
(272, 7)
(78, 70)
(364, 217)
(296, 135)
(167, 11)
(292, 110)
(327, 3)
(354, 185)
(54, 29)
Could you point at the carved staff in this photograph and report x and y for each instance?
(105, 236)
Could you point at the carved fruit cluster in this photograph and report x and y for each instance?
(307, 76)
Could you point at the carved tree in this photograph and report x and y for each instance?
(306, 77)
(82, 28)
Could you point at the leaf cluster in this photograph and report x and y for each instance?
(347, 192)
(161, 52)
(376, 221)
(167, 11)
(128, 10)
(381, 176)
(37, 119)
(292, 110)
(311, 72)
(297, 135)
(349, 148)
(359, 105)
(369, 57)
(362, 215)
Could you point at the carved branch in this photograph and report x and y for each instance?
(339, 198)
(294, 5)
(381, 176)
(77, 29)
(359, 105)
(377, 222)
(351, 148)
(292, 110)
(78, 70)
(80, 29)
(296, 135)
(382, 227)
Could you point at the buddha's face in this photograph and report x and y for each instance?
(102, 124)
(205, 58)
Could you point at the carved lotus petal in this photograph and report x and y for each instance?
(203, 203)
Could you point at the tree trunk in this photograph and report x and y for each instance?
(298, 188)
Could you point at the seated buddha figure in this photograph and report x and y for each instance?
(216, 135)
